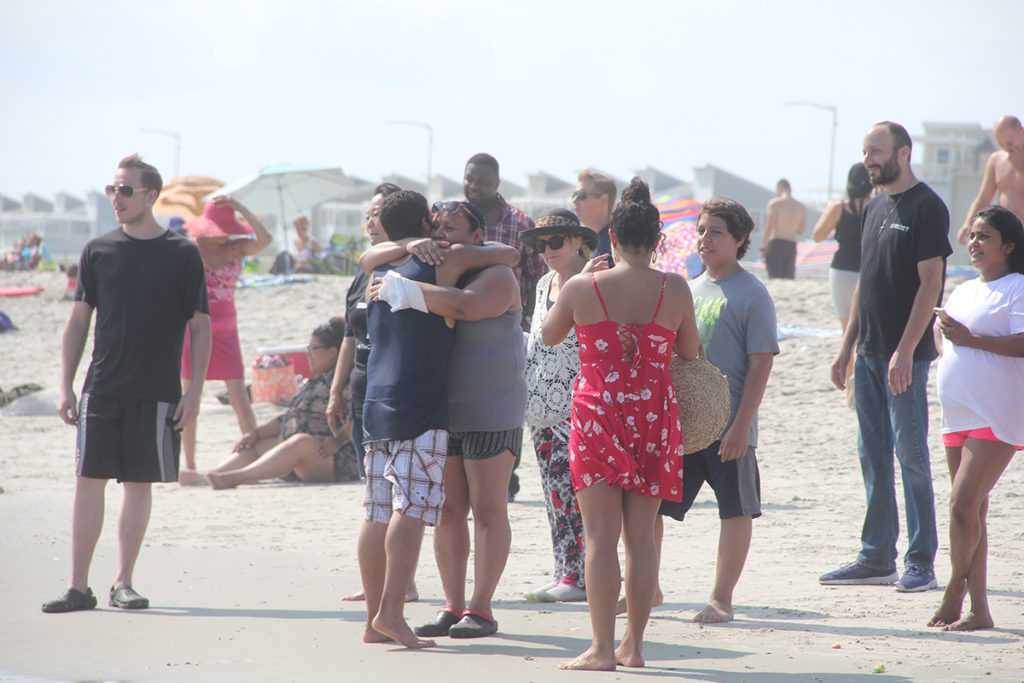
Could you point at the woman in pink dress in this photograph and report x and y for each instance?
(223, 241)
(625, 445)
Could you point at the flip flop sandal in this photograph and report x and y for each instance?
(440, 626)
(474, 624)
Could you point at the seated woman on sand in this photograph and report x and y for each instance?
(297, 445)
(980, 375)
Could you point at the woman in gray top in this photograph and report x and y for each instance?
(486, 404)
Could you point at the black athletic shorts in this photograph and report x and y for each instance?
(737, 484)
(127, 439)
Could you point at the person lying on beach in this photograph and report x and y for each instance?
(297, 445)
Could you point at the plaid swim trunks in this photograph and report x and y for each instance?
(406, 476)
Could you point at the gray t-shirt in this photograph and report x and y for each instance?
(735, 318)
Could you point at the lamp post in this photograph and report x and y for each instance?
(430, 147)
(177, 145)
(835, 124)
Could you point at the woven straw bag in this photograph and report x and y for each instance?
(702, 392)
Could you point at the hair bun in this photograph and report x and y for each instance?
(637, 192)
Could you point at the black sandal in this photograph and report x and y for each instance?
(474, 624)
(73, 600)
(442, 623)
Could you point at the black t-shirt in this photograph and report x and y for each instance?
(899, 232)
(355, 327)
(847, 256)
(144, 293)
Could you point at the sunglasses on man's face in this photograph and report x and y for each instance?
(555, 242)
(455, 207)
(583, 195)
(123, 190)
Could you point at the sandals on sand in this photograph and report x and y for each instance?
(440, 626)
(125, 597)
(73, 600)
(474, 624)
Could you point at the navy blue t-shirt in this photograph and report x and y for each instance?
(407, 372)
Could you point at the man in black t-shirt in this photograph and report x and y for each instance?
(146, 284)
(904, 245)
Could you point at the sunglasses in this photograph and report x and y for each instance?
(555, 242)
(123, 190)
(455, 206)
(582, 195)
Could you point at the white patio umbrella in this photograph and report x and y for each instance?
(283, 190)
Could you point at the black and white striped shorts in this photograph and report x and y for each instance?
(127, 439)
(483, 445)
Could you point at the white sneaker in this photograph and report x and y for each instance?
(534, 595)
(563, 592)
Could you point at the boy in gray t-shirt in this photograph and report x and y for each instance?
(736, 321)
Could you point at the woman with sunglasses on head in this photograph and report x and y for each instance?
(981, 372)
(297, 445)
(223, 242)
(625, 445)
(565, 245)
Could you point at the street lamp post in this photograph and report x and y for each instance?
(835, 125)
(430, 147)
(177, 145)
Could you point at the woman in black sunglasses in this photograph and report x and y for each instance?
(565, 245)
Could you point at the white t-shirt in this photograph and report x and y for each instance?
(978, 388)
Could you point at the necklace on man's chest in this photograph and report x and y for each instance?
(887, 222)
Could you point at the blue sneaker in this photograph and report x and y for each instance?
(856, 574)
(916, 579)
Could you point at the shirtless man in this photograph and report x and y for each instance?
(785, 222)
(1004, 173)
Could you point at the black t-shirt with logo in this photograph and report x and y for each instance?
(899, 232)
(144, 293)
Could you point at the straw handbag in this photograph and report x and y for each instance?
(702, 392)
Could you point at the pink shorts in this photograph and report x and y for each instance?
(957, 439)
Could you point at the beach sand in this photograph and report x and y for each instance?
(246, 584)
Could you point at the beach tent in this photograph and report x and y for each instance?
(678, 250)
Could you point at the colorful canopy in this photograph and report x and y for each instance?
(678, 250)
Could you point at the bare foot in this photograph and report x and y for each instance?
(628, 655)
(620, 606)
(400, 632)
(944, 616)
(715, 612)
(219, 481)
(372, 636)
(192, 478)
(411, 595)
(971, 622)
(590, 661)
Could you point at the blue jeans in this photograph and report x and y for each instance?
(885, 421)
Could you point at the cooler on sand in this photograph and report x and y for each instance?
(293, 353)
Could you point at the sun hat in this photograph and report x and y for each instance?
(218, 220)
(702, 392)
(558, 222)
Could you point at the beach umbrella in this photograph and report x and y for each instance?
(283, 190)
(678, 250)
(183, 196)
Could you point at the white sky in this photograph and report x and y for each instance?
(550, 85)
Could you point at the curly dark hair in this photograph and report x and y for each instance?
(1010, 230)
(636, 221)
(402, 214)
(737, 221)
(331, 333)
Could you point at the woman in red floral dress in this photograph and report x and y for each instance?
(625, 445)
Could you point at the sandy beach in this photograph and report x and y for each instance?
(246, 584)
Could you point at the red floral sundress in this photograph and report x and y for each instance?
(625, 420)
